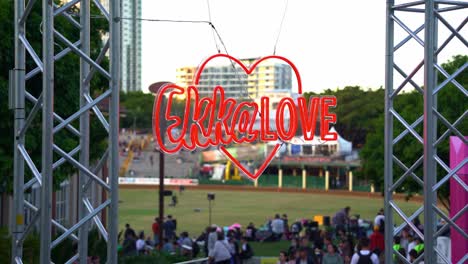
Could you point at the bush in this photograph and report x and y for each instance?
(62, 252)
(31, 247)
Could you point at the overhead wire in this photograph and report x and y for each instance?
(281, 26)
(165, 20)
(211, 22)
(215, 34)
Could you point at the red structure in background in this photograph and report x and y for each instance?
(220, 121)
(458, 198)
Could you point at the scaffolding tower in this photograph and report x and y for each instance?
(434, 16)
(53, 122)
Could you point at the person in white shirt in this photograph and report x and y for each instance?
(411, 246)
(277, 226)
(364, 255)
(212, 237)
(140, 243)
(222, 251)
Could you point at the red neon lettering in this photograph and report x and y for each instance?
(280, 113)
(308, 118)
(176, 120)
(217, 120)
(265, 133)
(225, 108)
(245, 120)
(234, 123)
(327, 118)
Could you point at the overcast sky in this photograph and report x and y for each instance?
(333, 43)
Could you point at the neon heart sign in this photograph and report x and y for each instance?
(220, 121)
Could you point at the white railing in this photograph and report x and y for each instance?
(194, 261)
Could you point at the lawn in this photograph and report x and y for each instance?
(139, 207)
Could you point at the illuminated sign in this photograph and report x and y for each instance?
(220, 121)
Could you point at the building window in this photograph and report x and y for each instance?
(307, 150)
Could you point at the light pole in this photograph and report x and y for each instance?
(154, 88)
(211, 197)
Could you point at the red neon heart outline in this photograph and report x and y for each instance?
(249, 70)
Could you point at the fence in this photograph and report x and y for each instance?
(289, 181)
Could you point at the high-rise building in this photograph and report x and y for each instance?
(131, 45)
(269, 78)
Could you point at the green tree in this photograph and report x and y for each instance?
(66, 91)
(452, 104)
(138, 107)
(356, 111)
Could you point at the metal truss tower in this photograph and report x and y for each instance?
(435, 16)
(53, 122)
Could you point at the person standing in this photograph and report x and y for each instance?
(169, 228)
(295, 244)
(419, 247)
(397, 246)
(377, 241)
(174, 221)
(283, 258)
(222, 252)
(129, 231)
(364, 255)
(246, 252)
(233, 247)
(305, 244)
(304, 257)
(332, 257)
(155, 228)
(404, 239)
(204, 237)
(174, 200)
(212, 238)
(341, 219)
(129, 244)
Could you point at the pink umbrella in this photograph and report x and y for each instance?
(236, 225)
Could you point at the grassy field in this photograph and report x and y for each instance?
(139, 207)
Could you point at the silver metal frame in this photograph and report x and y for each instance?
(42, 212)
(432, 10)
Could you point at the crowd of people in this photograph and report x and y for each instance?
(345, 240)
(219, 247)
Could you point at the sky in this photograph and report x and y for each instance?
(333, 43)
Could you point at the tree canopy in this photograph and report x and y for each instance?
(66, 91)
(452, 104)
